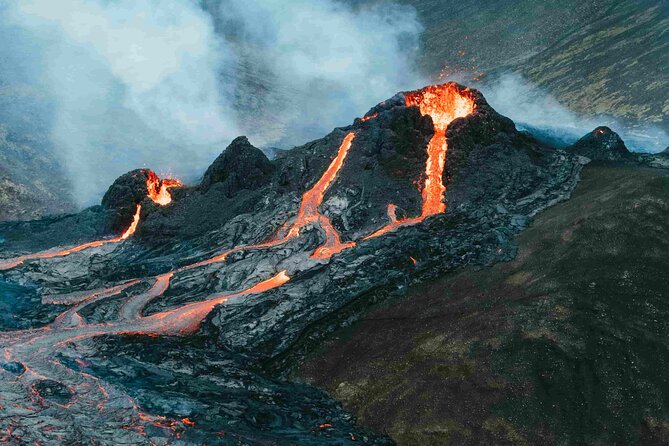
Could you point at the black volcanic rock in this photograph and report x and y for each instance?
(128, 189)
(602, 144)
(121, 199)
(240, 166)
(490, 163)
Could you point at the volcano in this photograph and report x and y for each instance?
(177, 313)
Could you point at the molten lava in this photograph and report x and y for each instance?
(187, 318)
(158, 190)
(443, 103)
(133, 226)
(308, 213)
(311, 201)
(14, 262)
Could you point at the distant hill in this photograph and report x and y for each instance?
(32, 183)
(595, 56)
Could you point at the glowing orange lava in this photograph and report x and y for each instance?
(133, 226)
(443, 103)
(307, 214)
(311, 201)
(158, 190)
(16, 261)
(187, 318)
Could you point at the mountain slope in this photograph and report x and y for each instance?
(566, 344)
(184, 322)
(31, 185)
(594, 56)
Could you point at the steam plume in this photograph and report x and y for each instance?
(534, 109)
(168, 83)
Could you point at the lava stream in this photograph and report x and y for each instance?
(157, 190)
(33, 348)
(12, 263)
(133, 306)
(71, 316)
(308, 213)
(444, 104)
(187, 318)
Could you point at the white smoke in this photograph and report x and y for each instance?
(167, 84)
(325, 62)
(536, 110)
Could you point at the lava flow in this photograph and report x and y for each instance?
(34, 348)
(306, 215)
(311, 201)
(444, 104)
(157, 190)
(16, 261)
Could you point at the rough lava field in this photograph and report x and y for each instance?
(176, 314)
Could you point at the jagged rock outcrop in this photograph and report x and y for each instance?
(121, 199)
(240, 166)
(602, 144)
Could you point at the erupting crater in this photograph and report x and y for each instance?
(444, 104)
(158, 190)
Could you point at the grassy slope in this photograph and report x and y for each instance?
(568, 343)
(595, 56)
(615, 64)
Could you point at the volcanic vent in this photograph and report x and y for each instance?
(264, 262)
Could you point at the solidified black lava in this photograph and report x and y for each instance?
(496, 178)
(240, 166)
(53, 390)
(121, 199)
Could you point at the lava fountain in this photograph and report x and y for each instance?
(158, 190)
(444, 104)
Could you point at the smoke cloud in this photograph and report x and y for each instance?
(167, 84)
(536, 110)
